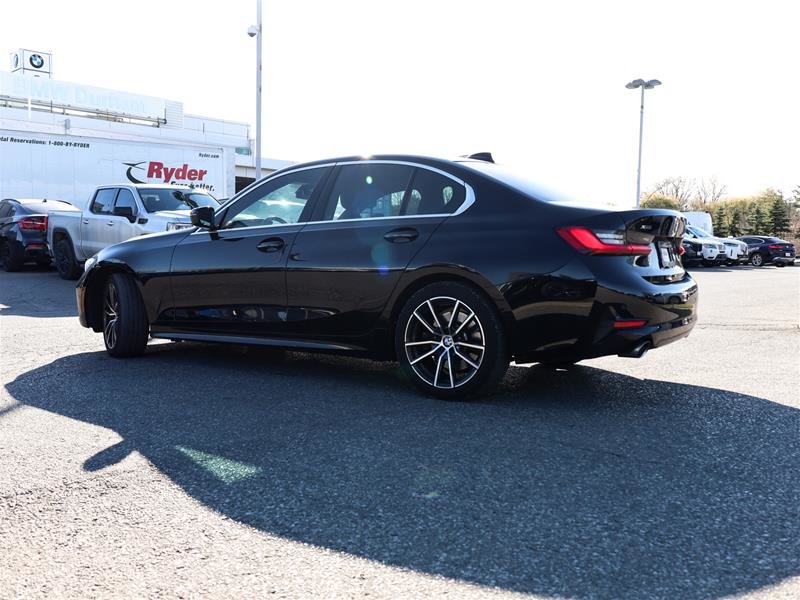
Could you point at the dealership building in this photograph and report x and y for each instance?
(61, 139)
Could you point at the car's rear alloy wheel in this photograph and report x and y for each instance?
(756, 259)
(125, 327)
(11, 258)
(450, 341)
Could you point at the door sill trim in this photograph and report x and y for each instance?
(254, 341)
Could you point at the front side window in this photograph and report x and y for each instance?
(275, 202)
(125, 199)
(368, 191)
(103, 203)
(433, 193)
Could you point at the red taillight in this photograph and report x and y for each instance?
(775, 246)
(681, 250)
(629, 323)
(33, 223)
(586, 241)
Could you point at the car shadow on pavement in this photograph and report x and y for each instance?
(583, 483)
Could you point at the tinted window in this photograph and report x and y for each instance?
(432, 193)
(157, 199)
(5, 209)
(125, 198)
(368, 191)
(103, 203)
(280, 200)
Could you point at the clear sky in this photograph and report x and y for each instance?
(539, 84)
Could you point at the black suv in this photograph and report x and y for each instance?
(23, 232)
(763, 249)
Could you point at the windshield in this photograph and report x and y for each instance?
(698, 232)
(157, 199)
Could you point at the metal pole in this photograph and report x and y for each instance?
(258, 91)
(639, 168)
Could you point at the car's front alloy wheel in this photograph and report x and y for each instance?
(125, 326)
(450, 341)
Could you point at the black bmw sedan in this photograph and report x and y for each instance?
(452, 268)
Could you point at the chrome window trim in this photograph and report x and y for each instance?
(469, 196)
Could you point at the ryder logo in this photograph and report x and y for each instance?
(158, 170)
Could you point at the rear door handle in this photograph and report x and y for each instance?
(271, 245)
(110, 223)
(403, 235)
(86, 221)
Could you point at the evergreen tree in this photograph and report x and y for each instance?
(778, 216)
(737, 222)
(719, 217)
(757, 219)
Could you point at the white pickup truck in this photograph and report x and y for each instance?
(115, 213)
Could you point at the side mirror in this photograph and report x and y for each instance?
(124, 211)
(203, 216)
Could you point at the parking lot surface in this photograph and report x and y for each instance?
(204, 470)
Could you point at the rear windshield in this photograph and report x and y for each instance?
(518, 181)
(156, 199)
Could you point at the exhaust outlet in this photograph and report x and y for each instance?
(638, 351)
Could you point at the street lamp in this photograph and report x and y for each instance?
(256, 31)
(645, 85)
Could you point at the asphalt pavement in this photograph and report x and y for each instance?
(214, 471)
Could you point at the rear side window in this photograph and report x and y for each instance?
(432, 193)
(5, 209)
(103, 203)
(368, 191)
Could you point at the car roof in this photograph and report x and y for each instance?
(25, 201)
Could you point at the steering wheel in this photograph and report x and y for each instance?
(277, 220)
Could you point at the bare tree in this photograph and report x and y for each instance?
(680, 189)
(709, 190)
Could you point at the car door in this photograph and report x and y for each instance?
(371, 220)
(232, 281)
(97, 223)
(121, 228)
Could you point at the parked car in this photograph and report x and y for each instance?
(453, 268)
(728, 250)
(116, 213)
(762, 250)
(23, 231)
(702, 249)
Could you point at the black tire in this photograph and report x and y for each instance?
(66, 263)
(125, 326)
(757, 259)
(459, 321)
(12, 257)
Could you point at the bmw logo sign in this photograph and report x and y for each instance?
(36, 60)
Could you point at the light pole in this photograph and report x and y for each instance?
(256, 31)
(645, 85)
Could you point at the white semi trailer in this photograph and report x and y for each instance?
(67, 167)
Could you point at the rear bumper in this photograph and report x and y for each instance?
(669, 311)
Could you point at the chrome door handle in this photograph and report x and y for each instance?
(270, 245)
(110, 223)
(86, 221)
(403, 235)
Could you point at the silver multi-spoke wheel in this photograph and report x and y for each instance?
(110, 315)
(444, 342)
